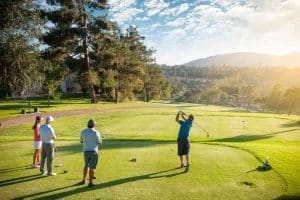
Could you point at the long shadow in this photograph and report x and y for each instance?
(177, 103)
(77, 190)
(20, 180)
(247, 138)
(293, 124)
(236, 111)
(289, 197)
(113, 144)
(15, 168)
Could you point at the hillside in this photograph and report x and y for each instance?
(248, 60)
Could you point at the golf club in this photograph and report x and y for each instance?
(60, 164)
(207, 133)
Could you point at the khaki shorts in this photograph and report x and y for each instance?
(90, 159)
(37, 144)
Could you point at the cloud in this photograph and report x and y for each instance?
(156, 25)
(175, 34)
(155, 6)
(175, 10)
(119, 5)
(176, 22)
(192, 29)
(142, 18)
(123, 11)
(126, 15)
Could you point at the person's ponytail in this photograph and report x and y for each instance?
(37, 120)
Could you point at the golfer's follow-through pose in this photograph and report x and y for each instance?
(183, 138)
(48, 136)
(90, 139)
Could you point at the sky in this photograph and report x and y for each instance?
(184, 30)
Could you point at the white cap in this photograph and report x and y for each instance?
(49, 119)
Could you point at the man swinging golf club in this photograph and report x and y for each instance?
(182, 140)
(90, 139)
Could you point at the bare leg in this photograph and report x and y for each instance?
(91, 174)
(181, 160)
(85, 169)
(187, 167)
(35, 156)
(187, 159)
(38, 158)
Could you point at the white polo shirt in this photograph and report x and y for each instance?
(47, 133)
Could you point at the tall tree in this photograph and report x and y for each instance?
(275, 100)
(19, 63)
(155, 86)
(292, 99)
(69, 39)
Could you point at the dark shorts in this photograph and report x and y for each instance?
(183, 146)
(90, 159)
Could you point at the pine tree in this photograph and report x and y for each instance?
(70, 39)
(19, 60)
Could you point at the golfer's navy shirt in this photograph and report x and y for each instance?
(185, 126)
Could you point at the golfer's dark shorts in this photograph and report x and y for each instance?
(183, 146)
(90, 159)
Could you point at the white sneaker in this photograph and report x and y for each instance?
(51, 174)
(44, 173)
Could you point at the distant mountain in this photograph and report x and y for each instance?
(248, 60)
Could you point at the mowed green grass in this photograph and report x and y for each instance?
(216, 172)
(149, 134)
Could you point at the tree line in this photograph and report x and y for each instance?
(261, 89)
(41, 44)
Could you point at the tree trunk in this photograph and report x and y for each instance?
(48, 96)
(145, 92)
(86, 62)
(117, 85)
(116, 94)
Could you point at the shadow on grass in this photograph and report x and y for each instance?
(113, 144)
(259, 169)
(248, 138)
(289, 197)
(293, 124)
(24, 106)
(20, 180)
(178, 103)
(77, 190)
(12, 107)
(15, 168)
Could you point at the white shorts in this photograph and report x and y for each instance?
(37, 144)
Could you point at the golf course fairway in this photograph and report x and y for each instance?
(223, 166)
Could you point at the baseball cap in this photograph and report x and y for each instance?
(49, 119)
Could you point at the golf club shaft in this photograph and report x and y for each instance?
(201, 128)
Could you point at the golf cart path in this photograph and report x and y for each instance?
(27, 118)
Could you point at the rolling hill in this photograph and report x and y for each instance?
(248, 60)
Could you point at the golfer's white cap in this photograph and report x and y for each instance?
(49, 119)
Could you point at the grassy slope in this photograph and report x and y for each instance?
(276, 136)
